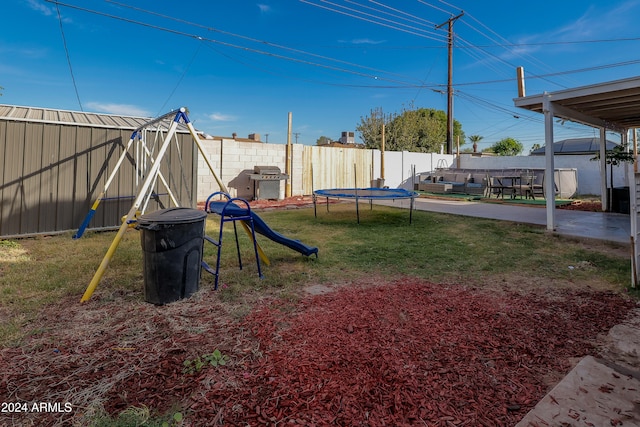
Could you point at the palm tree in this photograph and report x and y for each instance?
(475, 139)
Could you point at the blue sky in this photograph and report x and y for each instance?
(242, 66)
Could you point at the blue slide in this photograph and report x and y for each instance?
(261, 227)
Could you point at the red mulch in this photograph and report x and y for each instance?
(407, 353)
(402, 353)
(584, 205)
(287, 203)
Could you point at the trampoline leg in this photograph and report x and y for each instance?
(411, 210)
(315, 212)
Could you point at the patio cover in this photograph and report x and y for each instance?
(613, 106)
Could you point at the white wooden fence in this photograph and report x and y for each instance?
(315, 167)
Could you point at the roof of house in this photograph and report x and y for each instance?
(575, 146)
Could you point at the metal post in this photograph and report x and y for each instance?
(549, 181)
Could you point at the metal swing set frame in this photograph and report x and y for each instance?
(145, 190)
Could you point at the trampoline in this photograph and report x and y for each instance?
(369, 194)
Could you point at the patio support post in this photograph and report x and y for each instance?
(604, 188)
(549, 182)
(632, 171)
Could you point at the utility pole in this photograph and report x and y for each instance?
(296, 134)
(288, 162)
(266, 135)
(450, 22)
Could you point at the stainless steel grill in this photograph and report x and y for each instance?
(266, 181)
(267, 172)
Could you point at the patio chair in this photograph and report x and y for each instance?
(538, 187)
(525, 185)
(496, 187)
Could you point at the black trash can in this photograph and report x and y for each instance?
(172, 241)
(620, 200)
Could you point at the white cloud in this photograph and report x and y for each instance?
(121, 109)
(24, 52)
(40, 7)
(219, 117)
(594, 23)
(264, 8)
(366, 41)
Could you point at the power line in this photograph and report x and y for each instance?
(372, 19)
(66, 49)
(184, 73)
(254, 40)
(249, 49)
(400, 84)
(559, 73)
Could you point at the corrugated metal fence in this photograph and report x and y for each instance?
(53, 171)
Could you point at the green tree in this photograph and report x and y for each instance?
(474, 140)
(323, 140)
(615, 157)
(370, 128)
(417, 130)
(534, 147)
(507, 147)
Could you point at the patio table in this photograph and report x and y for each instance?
(502, 185)
(515, 183)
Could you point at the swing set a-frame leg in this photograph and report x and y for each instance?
(146, 186)
(96, 203)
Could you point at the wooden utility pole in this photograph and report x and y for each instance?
(382, 152)
(450, 22)
(288, 162)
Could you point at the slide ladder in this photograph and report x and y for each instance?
(230, 210)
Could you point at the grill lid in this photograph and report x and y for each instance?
(267, 170)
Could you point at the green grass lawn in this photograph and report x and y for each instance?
(438, 247)
(42, 278)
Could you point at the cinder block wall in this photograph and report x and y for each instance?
(233, 161)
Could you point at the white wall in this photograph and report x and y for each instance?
(234, 160)
(588, 170)
(402, 168)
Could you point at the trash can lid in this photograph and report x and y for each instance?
(172, 216)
